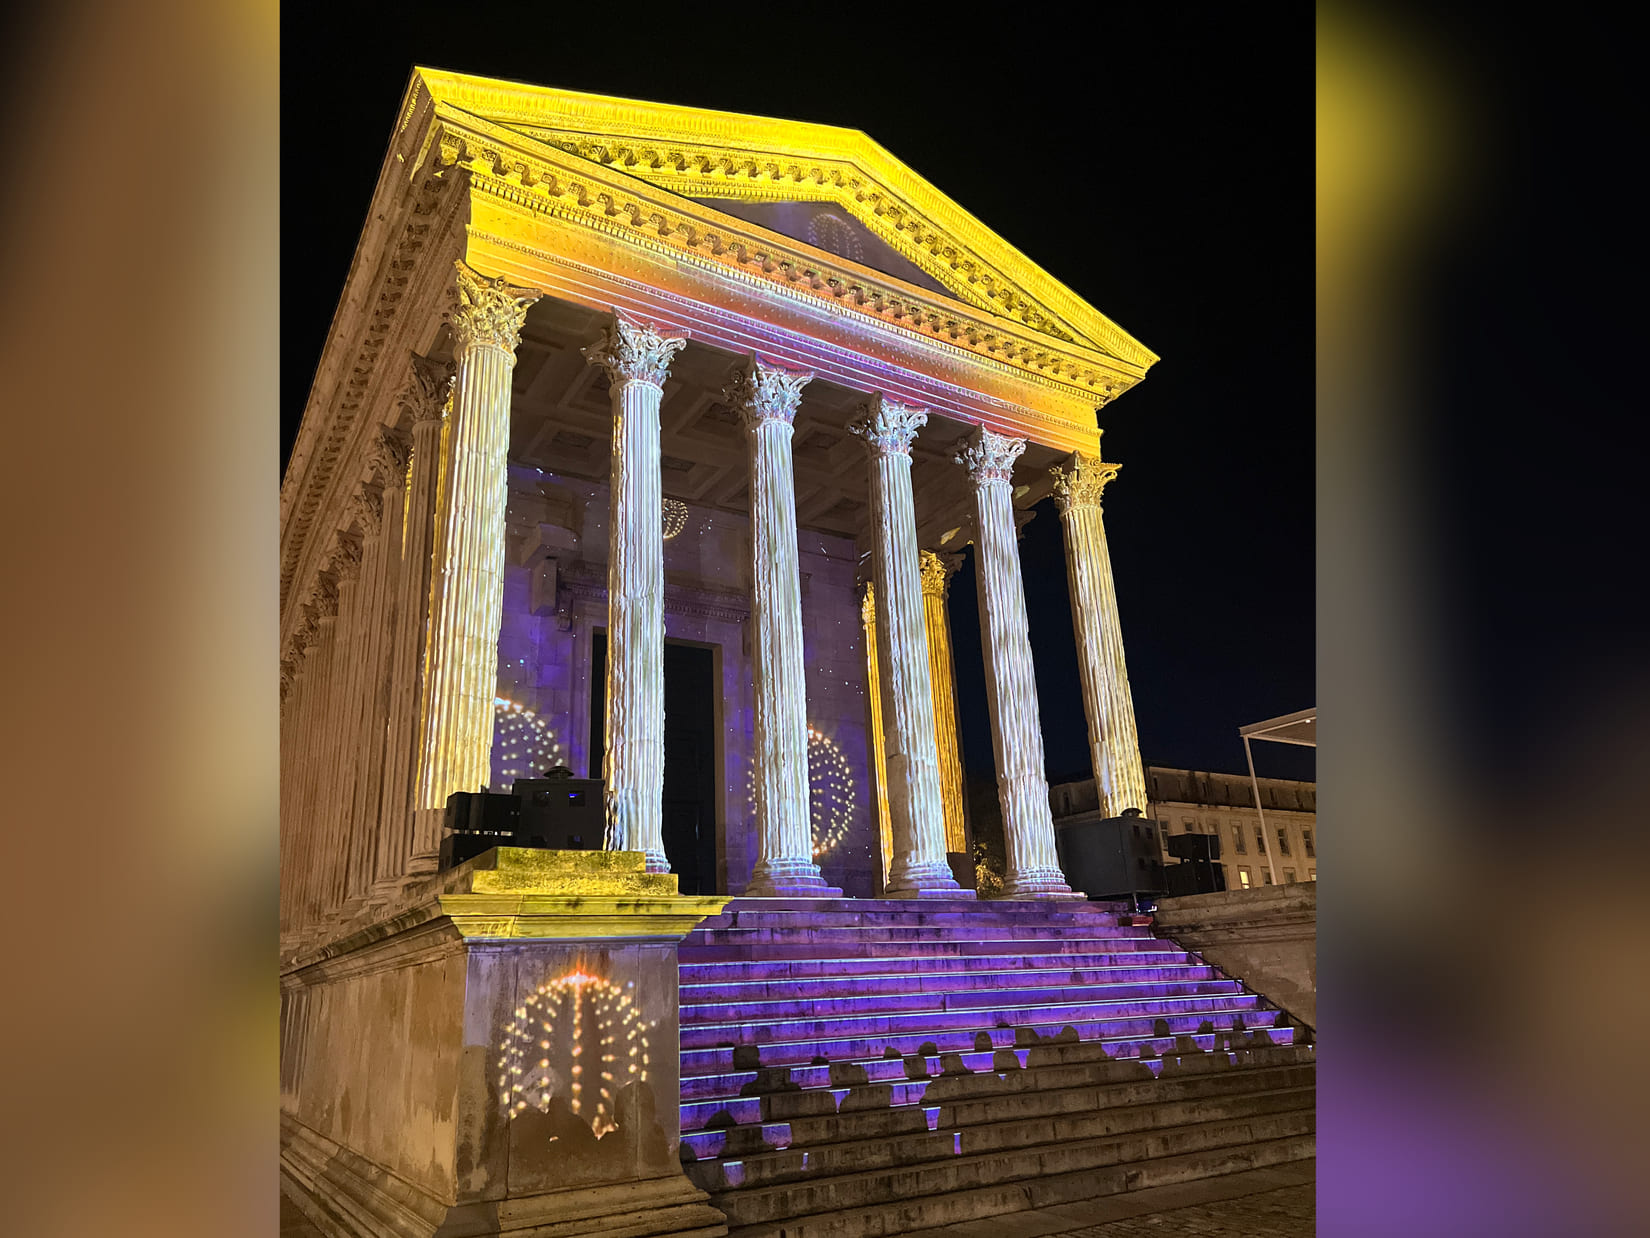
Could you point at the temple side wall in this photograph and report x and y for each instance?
(1267, 937)
(554, 602)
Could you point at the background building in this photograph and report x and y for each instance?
(1185, 801)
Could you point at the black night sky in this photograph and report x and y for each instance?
(1155, 163)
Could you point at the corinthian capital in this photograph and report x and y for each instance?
(427, 388)
(887, 426)
(1080, 484)
(764, 393)
(988, 457)
(936, 571)
(323, 600)
(632, 351)
(345, 560)
(366, 509)
(490, 311)
(387, 457)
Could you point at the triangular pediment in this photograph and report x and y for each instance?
(832, 188)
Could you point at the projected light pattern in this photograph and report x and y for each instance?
(578, 1037)
(523, 744)
(831, 795)
(675, 514)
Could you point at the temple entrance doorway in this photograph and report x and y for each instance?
(691, 707)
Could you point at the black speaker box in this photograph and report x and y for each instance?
(1110, 857)
(1195, 846)
(1195, 877)
(565, 814)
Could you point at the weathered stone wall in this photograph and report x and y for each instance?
(1266, 937)
(502, 1053)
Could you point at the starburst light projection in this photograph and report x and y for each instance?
(831, 795)
(578, 1037)
(524, 746)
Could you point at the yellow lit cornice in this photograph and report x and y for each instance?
(518, 169)
(700, 153)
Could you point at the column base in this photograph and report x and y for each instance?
(1039, 883)
(790, 887)
(788, 879)
(933, 880)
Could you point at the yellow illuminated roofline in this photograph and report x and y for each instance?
(711, 154)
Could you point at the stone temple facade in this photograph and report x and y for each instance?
(642, 444)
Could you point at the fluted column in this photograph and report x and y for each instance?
(1010, 680)
(919, 865)
(315, 639)
(1113, 743)
(381, 510)
(873, 689)
(367, 512)
(936, 581)
(467, 586)
(344, 689)
(637, 358)
(405, 851)
(766, 399)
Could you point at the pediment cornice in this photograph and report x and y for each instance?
(506, 163)
(696, 153)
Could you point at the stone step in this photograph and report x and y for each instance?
(926, 907)
(749, 915)
(793, 1201)
(702, 993)
(745, 935)
(696, 970)
(971, 946)
(780, 1165)
(704, 1093)
(917, 1210)
(745, 1010)
(791, 1043)
(1037, 1092)
(1090, 1004)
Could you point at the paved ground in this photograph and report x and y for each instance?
(1264, 1203)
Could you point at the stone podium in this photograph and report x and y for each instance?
(498, 1057)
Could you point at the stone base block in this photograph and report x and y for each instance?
(344, 1195)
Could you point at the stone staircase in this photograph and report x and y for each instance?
(858, 1067)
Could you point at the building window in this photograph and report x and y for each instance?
(1188, 826)
(1306, 837)
(1260, 841)
(1238, 843)
(1311, 874)
(1266, 875)
(1288, 876)
(1243, 878)
(1283, 840)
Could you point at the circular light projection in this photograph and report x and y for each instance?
(523, 744)
(831, 795)
(578, 1038)
(675, 514)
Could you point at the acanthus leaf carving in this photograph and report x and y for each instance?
(633, 351)
(989, 457)
(886, 426)
(764, 393)
(1080, 484)
(490, 311)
